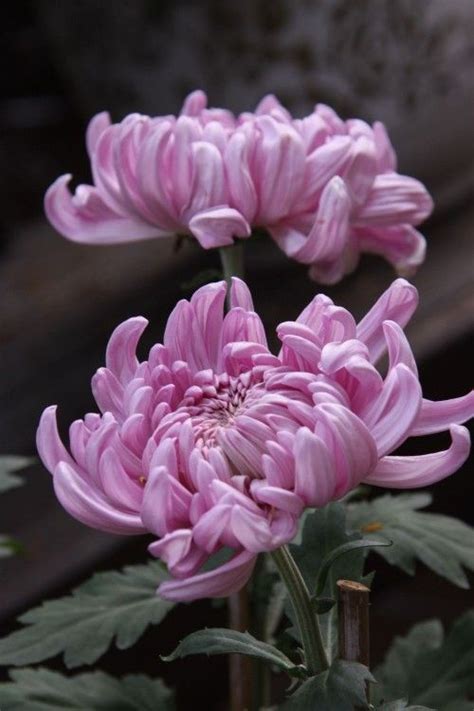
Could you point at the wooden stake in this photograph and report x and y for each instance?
(353, 623)
(239, 664)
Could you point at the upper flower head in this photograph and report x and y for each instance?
(324, 188)
(213, 441)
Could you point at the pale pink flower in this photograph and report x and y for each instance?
(325, 189)
(213, 441)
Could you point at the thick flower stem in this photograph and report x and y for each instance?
(232, 260)
(315, 654)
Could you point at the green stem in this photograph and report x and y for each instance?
(315, 654)
(232, 260)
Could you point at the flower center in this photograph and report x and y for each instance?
(216, 405)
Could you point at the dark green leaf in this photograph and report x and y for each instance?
(224, 641)
(401, 705)
(44, 690)
(10, 463)
(442, 543)
(324, 531)
(323, 572)
(428, 669)
(83, 624)
(341, 688)
(323, 604)
(8, 546)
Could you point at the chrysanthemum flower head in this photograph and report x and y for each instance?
(214, 442)
(325, 189)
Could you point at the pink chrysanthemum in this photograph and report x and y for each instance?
(325, 189)
(213, 441)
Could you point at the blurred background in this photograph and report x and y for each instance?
(409, 64)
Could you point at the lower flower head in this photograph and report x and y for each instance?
(215, 442)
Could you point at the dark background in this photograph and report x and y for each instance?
(406, 63)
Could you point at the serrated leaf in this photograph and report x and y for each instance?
(225, 641)
(10, 463)
(44, 690)
(442, 543)
(428, 669)
(82, 625)
(341, 688)
(324, 531)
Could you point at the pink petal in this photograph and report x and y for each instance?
(240, 295)
(402, 245)
(89, 506)
(399, 350)
(391, 416)
(386, 156)
(425, 469)
(397, 303)
(395, 199)
(217, 226)
(438, 416)
(360, 173)
(120, 355)
(95, 129)
(50, 448)
(87, 219)
(315, 476)
(222, 581)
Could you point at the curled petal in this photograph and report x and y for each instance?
(222, 581)
(50, 448)
(95, 129)
(86, 218)
(438, 416)
(89, 506)
(402, 245)
(391, 415)
(217, 227)
(425, 469)
(120, 356)
(395, 199)
(397, 303)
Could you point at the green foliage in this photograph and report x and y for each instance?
(82, 625)
(430, 669)
(401, 705)
(44, 690)
(442, 543)
(340, 688)
(8, 546)
(324, 531)
(225, 641)
(9, 464)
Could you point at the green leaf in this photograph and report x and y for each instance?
(401, 705)
(82, 625)
(8, 546)
(224, 641)
(336, 553)
(44, 690)
(429, 669)
(340, 688)
(10, 463)
(442, 543)
(324, 531)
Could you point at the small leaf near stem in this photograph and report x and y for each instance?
(340, 550)
(315, 654)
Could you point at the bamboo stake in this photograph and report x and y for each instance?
(353, 623)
